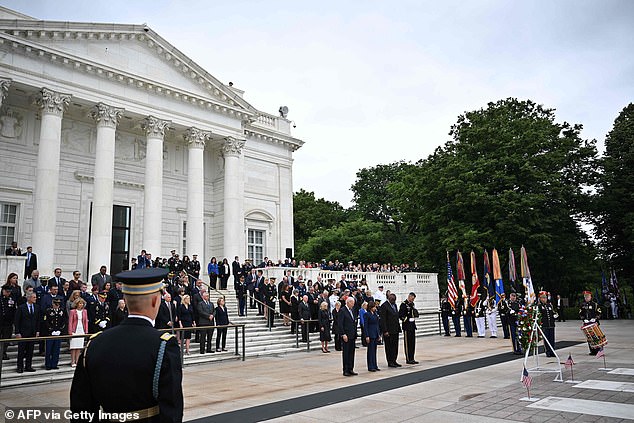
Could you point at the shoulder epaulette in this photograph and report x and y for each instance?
(94, 335)
(166, 336)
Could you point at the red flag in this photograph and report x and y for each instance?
(569, 362)
(475, 282)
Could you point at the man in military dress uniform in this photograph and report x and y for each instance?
(445, 312)
(480, 310)
(503, 311)
(589, 312)
(270, 294)
(8, 306)
(55, 322)
(548, 322)
(467, 316)
(101, 318)
(455, 318)
(131, 368)
(408, 315)
(512, 315)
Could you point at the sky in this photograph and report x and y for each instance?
(373, 82)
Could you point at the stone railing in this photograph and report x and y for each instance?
(424, 285)
(11, 264)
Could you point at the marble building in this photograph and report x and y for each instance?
(112, 140)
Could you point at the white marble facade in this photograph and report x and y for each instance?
(96, 115)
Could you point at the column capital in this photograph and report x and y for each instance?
(52, 102)
(154, 126)
(4, 88)
(232, 146)
(196, 138)
(106, 115)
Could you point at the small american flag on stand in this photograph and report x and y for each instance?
(527, 380)
(569, 362)
(601, 353)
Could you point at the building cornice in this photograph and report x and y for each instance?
(272, 137)
(84, 177)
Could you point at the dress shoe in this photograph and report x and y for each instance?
(47, 368)
(412, 362)
(447, 334)
(371, 370)
(392, 365)
(377, 369)
(20, 371)
(346, 374)
(5, 357)
(480, 336)
(202, 352)
(30, 369)
(397, 365)
(457, 336)
(507, 337)
(353, 373)
(492, 336)
(55, 368)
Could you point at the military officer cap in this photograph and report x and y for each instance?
(543, 293)
(273, 278)
(587, 293)
(412, 294)
(142, 281)
(6, 287)
(103, 294)
(57, 301)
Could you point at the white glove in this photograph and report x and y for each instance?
(585, 321)
(56, 333)
(412, 319)
(593, 320)
(103, 324)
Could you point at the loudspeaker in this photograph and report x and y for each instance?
(289, 253)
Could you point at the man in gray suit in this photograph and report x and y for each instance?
(205, 318)
(101, 278)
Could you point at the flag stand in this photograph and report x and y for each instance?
(535, 349)
(604, 368)
(572, 372)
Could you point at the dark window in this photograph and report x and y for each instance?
(120, 254)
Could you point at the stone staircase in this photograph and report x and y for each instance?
(259, 341)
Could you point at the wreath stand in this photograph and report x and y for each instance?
(534, 348)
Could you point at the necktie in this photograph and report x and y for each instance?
(30, 309)
(28, 259)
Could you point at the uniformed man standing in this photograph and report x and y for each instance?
(589, 312)
(101, 317)
(503, 311)
(513, 313)
(548, 322)
(408, 315)
(270, 293)
(147, 376)
(55, 322)
(455, 318)
(8, 306)
(480, 310)
(445, 312)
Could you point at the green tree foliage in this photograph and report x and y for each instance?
(615, 197)
(510, 176)
(312, 215)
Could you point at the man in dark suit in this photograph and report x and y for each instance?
(260, 286)
(304, 316)
(13, 250)
(206, 318)
(100, 279)
(57, 279)
(348, 330)
(27, 325)
(252, 280)
(236, 269)
(30, 263)
(132, 368)
(390, 328)
(166, 317)
(408, 315)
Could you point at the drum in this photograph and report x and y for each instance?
(594, 335)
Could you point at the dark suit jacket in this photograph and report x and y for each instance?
(389, 319)
(97, 279)
(163, 316)
(222, 315)
(30, 267)
(52, 281)
(27, 324)
(347, 324)
(236, 269)
(371, 325)
(304, 311)
(204, 310)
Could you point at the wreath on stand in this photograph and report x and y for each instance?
(525, 321)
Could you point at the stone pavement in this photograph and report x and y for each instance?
(491, 393)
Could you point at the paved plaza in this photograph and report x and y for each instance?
(457, 380)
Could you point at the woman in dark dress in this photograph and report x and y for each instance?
(186, 319)
(285, 303)
(294, 310)
(221, 316)
(119, 314)
(335, 325)
(372, 334)
(224, 273)
(324, 326)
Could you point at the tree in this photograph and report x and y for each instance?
(314, 214)
(510, 176)
(614, 223)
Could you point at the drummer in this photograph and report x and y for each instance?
(589, 312)
(548, 322)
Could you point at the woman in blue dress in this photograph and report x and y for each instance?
(372, 334)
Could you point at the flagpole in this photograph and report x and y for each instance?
(572, 373)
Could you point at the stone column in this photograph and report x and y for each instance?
(195, 192)
(233, 229)
(153, 194)
(4, 89)
(52, 106)
(107, 118)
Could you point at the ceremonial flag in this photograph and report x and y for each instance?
(488, 282)
(569, 361)
(497, 275)
(475, 281)
(512, 271)
(451, 285)
(601, 353)
(526, 278)
(604, 284)
(527, 380)
(461, 278)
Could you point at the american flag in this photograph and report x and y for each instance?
(527, 380)
(451, 285)
(601, 353)
(569, 361)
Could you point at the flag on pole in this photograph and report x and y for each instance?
(512, 271)
(475, 282)
(461, 278)
(488, 282)
(604, 284)
(526, 278)
(601, 353)
(527, 380)
(569, 361)
(451, 285)
(497, 275)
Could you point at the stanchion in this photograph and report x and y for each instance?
(243, 343)
(236, 339)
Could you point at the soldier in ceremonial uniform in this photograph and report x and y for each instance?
(408, 315)
(55, 322)
(512, 315)
(8, 306)
(455, 318)
(480, 310)
(270, 294)
(467, 316)
(503, 311)
(445, 312)
(548, 322)
(589, 312)
(131, 368)
(101, 317)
